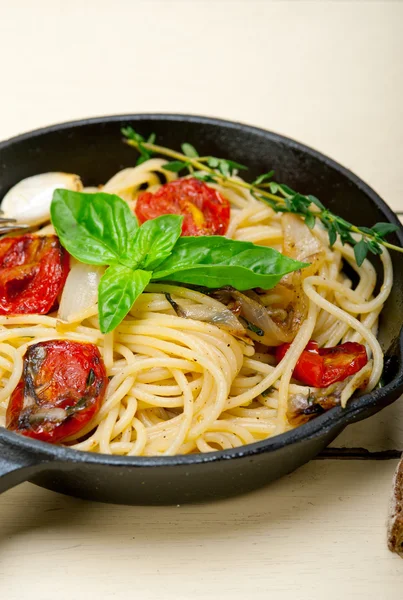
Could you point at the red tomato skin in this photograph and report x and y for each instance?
(320, 367)
(57, 374)
(205, 211)
(33, 271)
(347, 359)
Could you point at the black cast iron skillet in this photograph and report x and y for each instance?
(93, 149)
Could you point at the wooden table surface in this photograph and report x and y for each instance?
(329, 74)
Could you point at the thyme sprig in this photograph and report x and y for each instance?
(279, 196)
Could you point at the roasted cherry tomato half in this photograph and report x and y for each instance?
(320, 367)
(61, 389)
(205, 211)
(33, 270)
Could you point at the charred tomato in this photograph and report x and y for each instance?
(61, 389)
(33, 270)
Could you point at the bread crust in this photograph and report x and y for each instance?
(395, 521)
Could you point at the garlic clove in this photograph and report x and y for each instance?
(29, 200)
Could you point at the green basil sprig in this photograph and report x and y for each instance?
(100, 229)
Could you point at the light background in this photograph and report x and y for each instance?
(327, 73)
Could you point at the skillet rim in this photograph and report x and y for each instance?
(333, 419)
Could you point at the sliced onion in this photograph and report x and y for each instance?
(220, 316)
(300, 243)
(259, 321)
(301, 408)
(273, 317)
(48, 414)
(80, 290)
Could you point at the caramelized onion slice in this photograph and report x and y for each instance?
(299, 242)
(221, 317)
(258, 320)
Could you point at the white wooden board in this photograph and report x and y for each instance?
(326, 73)
(318, 533)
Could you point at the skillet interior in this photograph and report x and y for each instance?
(93, 149)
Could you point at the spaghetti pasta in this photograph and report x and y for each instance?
(180, 385)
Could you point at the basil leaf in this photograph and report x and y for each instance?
(118, 289)
(216, 276)
(215, 261)
(154, 241)
(94, 228)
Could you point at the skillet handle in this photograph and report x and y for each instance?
(17, 464)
